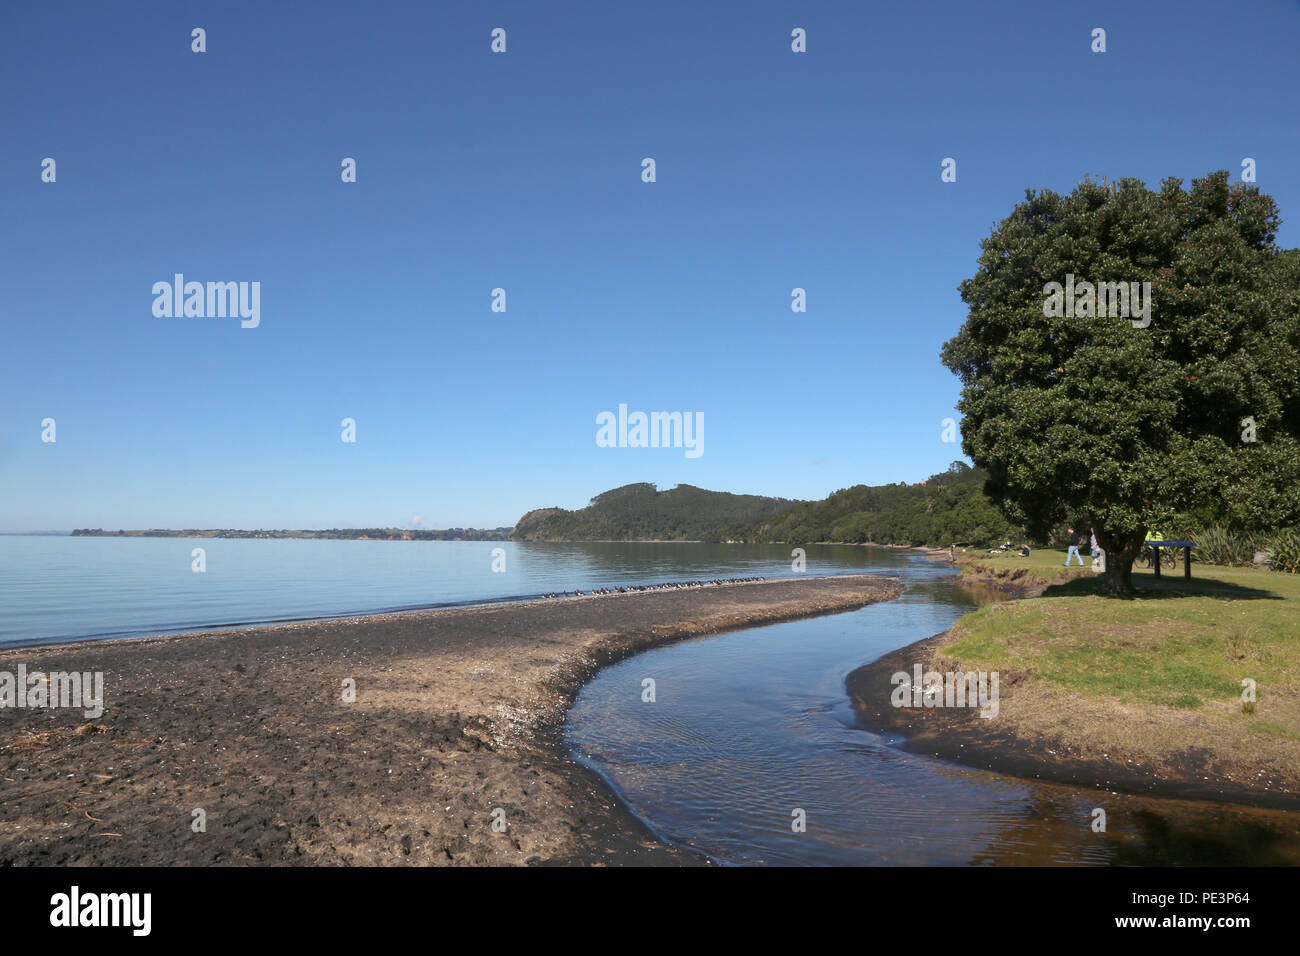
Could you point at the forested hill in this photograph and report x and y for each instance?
(640, 512)
(945, 508)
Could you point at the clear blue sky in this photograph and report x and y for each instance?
(523, 171)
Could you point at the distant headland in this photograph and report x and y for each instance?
(947, 507)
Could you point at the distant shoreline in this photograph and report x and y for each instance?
(452, 534)
(332, 534)
(447, 535)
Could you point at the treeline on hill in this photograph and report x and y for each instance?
(948, 508)
(640, 512)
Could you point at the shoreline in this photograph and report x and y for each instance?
(1002, 745)
(513, 600)
(458, 712)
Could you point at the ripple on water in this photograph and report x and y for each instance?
(749, 726)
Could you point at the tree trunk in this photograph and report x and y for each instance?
(1119, 575)
(1120, 555)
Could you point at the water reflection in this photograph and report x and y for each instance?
(64, 588)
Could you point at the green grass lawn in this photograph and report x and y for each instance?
(1179, 644)
(1044, 563)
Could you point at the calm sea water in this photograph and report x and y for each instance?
(63, 588)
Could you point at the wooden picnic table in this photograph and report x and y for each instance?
(1187, 554)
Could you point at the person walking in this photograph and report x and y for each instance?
(1093, 546)
(1074, 549)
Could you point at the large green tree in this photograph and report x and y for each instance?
(1121, 423)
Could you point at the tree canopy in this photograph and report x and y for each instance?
(1122, 422)
(946, 508)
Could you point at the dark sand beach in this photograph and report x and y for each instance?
(458, 712)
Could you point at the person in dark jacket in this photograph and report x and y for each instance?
(1074, 549)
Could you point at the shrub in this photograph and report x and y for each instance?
(1216, 545)
(1285, 551)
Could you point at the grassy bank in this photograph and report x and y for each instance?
(1155, 681)
(1043, 566)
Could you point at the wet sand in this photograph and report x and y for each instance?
(458, 713)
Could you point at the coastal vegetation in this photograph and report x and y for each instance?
(1191, 412)
(1179, 419)
(1278, 550)
(950, 507)
(945, 508)
(640, 512)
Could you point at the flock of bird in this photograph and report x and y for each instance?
(666, 586)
